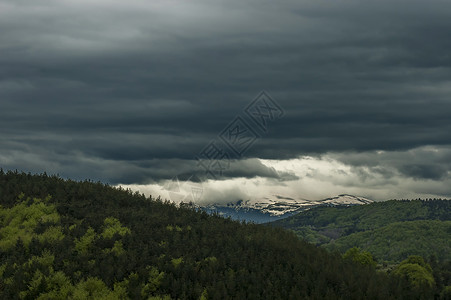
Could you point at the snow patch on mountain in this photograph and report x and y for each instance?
(279, 206)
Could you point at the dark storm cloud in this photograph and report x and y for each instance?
(423, 163)
(435, 172)
(106, 89)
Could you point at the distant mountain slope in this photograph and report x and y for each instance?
(367, 226)
(83, 240)
(279, 207)
(399, 240)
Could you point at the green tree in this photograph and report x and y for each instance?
(416, 270)
(362, 257)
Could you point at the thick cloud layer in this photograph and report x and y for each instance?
(130, 92)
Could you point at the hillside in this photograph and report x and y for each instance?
(390, 230)
(396, 241)
(82, 240)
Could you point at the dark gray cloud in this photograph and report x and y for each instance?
(131, 92)
(424, 163)
(423, 171)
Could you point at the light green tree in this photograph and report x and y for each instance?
(416, 270)
(360, 256)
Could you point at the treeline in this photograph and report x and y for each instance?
(370, 216)
(61, 239)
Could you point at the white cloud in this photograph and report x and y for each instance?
(324, 176)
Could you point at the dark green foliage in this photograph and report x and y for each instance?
(114, 244)
(390, 230)
(396, 241)
(446, 293)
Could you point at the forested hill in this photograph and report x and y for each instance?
(390, 230)
(83, 240)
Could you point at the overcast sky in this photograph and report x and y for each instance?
(131, 92)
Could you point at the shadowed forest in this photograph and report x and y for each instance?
(61, 239)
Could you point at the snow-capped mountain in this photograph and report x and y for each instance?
(271, 209)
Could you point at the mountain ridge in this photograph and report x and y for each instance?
(279, 207)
